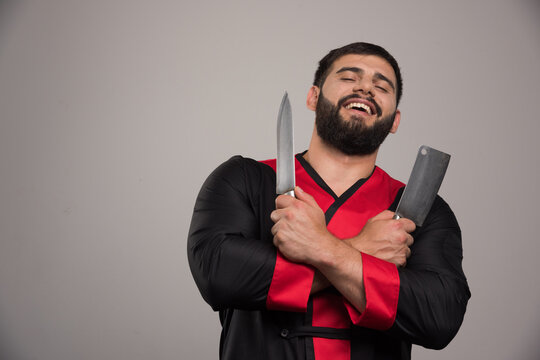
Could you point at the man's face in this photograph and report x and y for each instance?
(352, 137)
(356, 106)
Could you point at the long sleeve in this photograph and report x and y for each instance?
(231, 259)
(433, 291)
(230, 249)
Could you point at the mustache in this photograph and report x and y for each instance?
(355, 96)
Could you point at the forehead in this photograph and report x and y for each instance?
(368, 63)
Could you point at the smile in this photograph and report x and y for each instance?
(359, 106)
(356, 103)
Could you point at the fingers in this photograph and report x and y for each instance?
(274, 231)
(408, 253)
(408, 225)
(286, 200)
(386, 216)
(284, 214)
(283, 201)
(409, 240)
(275, 216)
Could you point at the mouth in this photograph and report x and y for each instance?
(361, 105)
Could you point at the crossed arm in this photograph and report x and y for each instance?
(301, 235)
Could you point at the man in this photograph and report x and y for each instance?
(329, 274)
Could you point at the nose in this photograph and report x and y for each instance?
(364, 86)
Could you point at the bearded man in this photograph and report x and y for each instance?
(329, 274)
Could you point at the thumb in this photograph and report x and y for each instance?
(384, 215)
(304, 196)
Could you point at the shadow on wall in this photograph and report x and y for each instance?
(7, 16)
(534, 7)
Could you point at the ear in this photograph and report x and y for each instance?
(397, 119)
(312, 97)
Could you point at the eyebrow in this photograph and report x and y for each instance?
(359, 71)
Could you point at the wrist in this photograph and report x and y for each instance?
(357, 242)
(332, 253)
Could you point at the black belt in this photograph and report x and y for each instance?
(316, 331)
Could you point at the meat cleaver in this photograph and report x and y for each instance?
(285, 175)
(424, 183)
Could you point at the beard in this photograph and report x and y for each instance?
(353, 137)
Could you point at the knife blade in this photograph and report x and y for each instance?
(285, 176)
(424, 183)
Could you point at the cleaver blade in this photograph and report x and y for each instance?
(424, 183)
(285, 175)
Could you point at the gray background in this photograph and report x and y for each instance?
(114, 112)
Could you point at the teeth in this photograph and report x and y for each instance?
(359, 105)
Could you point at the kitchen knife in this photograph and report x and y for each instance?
(424, 183)
(285, 177)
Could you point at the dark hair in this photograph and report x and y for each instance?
(359, 48)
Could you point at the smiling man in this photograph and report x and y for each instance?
(329, 274)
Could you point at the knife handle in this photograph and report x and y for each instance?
(291, 193)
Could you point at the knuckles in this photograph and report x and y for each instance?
(289, 215)
(396, 225)
(401, 238)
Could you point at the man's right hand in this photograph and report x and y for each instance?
(386, 238)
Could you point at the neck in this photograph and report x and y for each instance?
(338, 170)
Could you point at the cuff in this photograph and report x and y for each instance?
(381, 284)
(290, 286)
